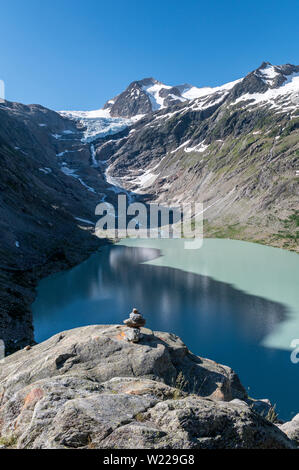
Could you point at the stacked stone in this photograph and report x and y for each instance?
(135, 322)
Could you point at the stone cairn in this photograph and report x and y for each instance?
(134, 323)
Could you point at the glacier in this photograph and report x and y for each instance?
(99, 123)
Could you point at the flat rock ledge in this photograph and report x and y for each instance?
(91, 388)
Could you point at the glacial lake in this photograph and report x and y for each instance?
(232, 301)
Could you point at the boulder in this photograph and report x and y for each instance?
(291, 428)
(132, 334)
(91, 388)
(100, 353)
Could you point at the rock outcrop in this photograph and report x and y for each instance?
(143, 97)
(291, 428)
(91, 388)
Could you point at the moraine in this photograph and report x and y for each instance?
(232, 301)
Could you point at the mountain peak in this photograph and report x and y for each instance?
(146, 81)
(142, 97)
(264, 64)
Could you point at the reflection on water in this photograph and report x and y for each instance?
(214, 319)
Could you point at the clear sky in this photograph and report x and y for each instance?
(76, 54)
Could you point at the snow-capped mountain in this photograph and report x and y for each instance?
(149, 95)
(140, 98)
(274, 85)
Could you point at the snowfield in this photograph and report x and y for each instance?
(284, 98)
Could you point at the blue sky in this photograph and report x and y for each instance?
(76, 54)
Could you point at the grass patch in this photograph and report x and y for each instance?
(292, 220)
(140, 417)
(272, 416)
(8, 441)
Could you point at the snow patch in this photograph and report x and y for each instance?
(85, 221)
(285, 98)
(70, 172)
(268, 74)
(93, 156)
(153, 93)
(193, 92)
(181, 146)
(145, 180)
(45, 170)
(201, 147)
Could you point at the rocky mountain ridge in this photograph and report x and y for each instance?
(148, 95)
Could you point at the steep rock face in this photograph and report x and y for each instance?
(132, 101)
(89, 388)
(145, 96)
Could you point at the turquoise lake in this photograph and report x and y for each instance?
(232, 301)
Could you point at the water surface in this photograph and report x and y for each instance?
(232, 301)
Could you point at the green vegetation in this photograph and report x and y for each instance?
(180, 384)
(293, 125)
(292, 219)
(272, 415)
(8, 441)
(229, 231)
(290, 231)
(140, 417)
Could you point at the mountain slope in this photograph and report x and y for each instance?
(45, 208)
(235, 149)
